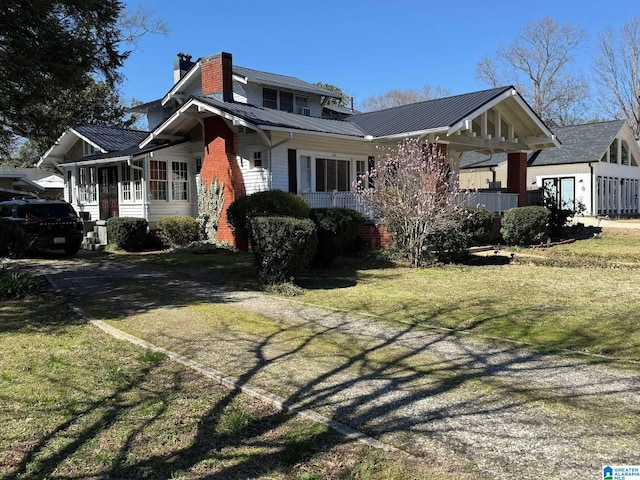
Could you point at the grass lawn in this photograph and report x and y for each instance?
(78, 404)
(582, 296)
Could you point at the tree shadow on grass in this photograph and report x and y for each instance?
(430, 393)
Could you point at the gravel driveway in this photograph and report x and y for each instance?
(495, 411)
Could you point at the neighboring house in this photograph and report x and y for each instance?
(255, 131)
(597, 168)
(19, 182)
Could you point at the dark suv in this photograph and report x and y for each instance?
(50, 224)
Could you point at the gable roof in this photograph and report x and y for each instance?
(274, 119)
(110, 139)
(580, 144)
(282, 81)
(445, 118)
(427, 115)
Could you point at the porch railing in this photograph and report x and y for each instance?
(337, 199)
(498, 202)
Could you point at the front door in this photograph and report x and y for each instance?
(108, 194)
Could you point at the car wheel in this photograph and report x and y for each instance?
(71, 249)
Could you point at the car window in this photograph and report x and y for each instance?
(51, 211)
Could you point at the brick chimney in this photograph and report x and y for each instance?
(217, 76)
(181, 66)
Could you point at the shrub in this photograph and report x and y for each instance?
(178, 231)
(261, 204)
(478, 224)
(13, 239)
(451, 244)
(127, 233)
(337, 230)
(524, 225)
(282, 247)
(17, 285)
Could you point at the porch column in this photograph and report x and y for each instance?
(517, 176)
(219, 162)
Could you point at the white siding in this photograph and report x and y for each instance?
(158, 209)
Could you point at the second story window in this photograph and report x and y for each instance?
(302, 105)
(269, 98)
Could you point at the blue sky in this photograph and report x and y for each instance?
(363, 47)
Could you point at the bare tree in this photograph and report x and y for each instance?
(539, 64)
(617, 72)
(396, 97)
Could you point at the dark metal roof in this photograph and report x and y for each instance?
(580, 144)
(111, 139)
(131, 151)
(31, 173)
(282, 81)
(267, 117)
(427, 115)
(481, 160)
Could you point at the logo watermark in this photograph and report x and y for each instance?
(621, 472)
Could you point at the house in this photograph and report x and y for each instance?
(19, 182)
(254, 131)
(597, 169)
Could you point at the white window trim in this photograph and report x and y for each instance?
(352, 159)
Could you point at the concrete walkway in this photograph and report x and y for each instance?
(498, 412)
(607, 222)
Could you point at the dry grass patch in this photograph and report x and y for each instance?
(78, 404)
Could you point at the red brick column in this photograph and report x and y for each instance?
(219, 162)
(517, 176)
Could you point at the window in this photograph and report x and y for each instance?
(624, 154)
(256, 159)
(132, 181)
(158, 180)
(87, 185)
(302, 105)
(269, 98)
(305, 173)
(88, 149)
(180, 181)
(613, 152)
(332, 175)
(286, 101)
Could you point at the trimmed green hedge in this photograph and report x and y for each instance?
(478, 224)
(282, 247)
(127, 233)
(261, 204)
(338, 229)
(524, 225)
(178, 231)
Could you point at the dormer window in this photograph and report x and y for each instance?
(285, 101)
(269, 98)
(302, 105)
